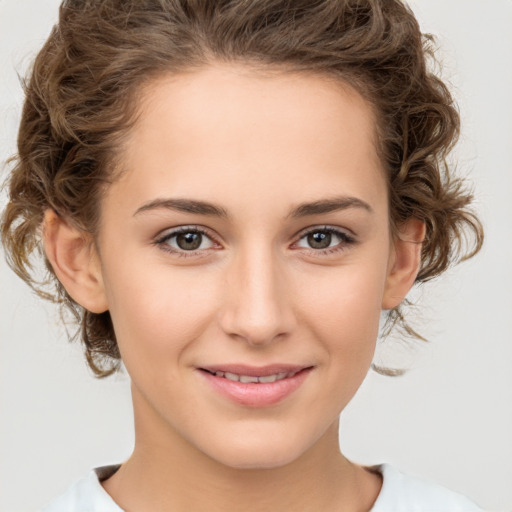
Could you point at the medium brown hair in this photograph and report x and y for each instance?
(81, 98)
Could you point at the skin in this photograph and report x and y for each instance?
(255, 292)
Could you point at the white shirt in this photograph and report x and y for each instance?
(399, 493)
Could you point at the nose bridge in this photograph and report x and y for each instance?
(258, 306)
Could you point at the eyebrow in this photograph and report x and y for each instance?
(211, 210)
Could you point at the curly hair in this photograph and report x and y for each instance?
(81, 98)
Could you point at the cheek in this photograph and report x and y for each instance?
(344, 315)
(155, 309)
(346, 303)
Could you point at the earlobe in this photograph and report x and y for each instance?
(75, 262)
(405, 262)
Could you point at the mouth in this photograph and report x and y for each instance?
(255, 386)
(254, 379)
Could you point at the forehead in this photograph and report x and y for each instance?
(295, 104)
(252, 130)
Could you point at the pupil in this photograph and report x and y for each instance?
(189, 241)
(319, 240)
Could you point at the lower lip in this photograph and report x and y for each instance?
(256, 394)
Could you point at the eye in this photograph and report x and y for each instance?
(185, 239)
(325, 240)
(192, 241)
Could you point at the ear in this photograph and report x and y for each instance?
(75, 262)
(404, 263)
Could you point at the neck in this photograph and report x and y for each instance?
(166, 473)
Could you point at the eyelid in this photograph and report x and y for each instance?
(326, 227)
(169, 232)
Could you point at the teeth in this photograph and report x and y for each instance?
(247, 378)
(268, 378)
(253, 379)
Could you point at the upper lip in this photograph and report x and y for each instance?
(255, 371)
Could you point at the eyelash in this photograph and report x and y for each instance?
(162, 242)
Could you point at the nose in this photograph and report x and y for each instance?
(258, 300)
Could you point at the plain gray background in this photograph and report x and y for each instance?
(449, 419)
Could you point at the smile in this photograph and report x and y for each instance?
(255, 387)
(254, 379)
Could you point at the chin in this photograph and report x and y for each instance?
(265, 453)
(259, 460)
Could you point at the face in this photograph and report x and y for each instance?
(245, 258)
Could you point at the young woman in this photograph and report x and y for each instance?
(228, 194)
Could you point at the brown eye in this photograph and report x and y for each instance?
(185, 240)
(319, 239)
(325, 240)
(189, 241)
